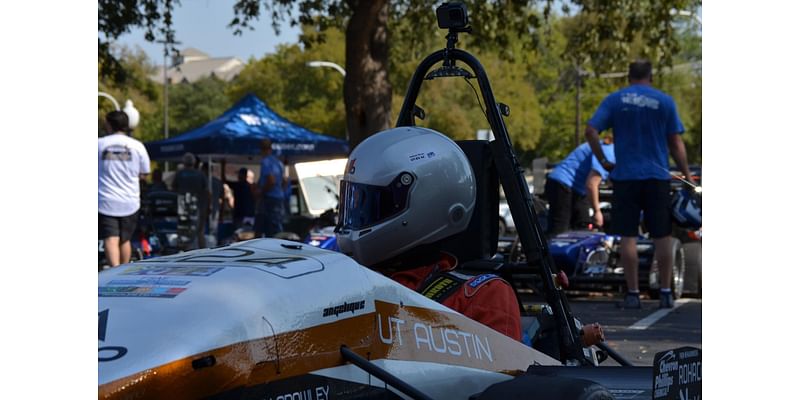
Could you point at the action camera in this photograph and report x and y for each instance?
(452, 16)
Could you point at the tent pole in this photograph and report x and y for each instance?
(222, 178)
(211, 192)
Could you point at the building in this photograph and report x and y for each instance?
(192, 65)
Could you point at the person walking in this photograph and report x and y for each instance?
(122, 162)
(647, 129)
(270, 208)
(568, 189)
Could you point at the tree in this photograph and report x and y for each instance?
(601, 39)
(192, 105)
(116, 17)
(146, 94)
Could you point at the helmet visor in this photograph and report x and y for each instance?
(363, 205)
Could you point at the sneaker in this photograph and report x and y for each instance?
(631, 302)
(666, 300)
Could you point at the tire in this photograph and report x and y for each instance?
(693, 280)
(678, 272)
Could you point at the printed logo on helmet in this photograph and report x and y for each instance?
(351, 169)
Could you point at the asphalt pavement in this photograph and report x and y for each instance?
(639, 334)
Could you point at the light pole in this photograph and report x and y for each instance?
(685, 13)
(328, 64)
(166, 42)
(129, 109)
(110, 97)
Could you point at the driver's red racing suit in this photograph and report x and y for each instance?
(485, 298)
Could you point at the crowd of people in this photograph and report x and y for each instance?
(124, 167)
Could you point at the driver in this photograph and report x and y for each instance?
(404, 191)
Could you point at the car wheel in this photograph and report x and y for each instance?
(693, 281)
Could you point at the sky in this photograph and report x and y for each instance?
(202, 24)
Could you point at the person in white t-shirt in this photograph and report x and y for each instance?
(121, 162)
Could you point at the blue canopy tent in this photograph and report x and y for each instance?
(236, 135)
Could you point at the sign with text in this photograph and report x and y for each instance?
(677, 373)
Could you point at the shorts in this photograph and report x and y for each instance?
(117, 226)
(630, 198)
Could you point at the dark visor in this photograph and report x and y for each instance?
(364, 205)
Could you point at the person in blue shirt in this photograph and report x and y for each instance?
(567, 187)
(270, 209)
(646, 130)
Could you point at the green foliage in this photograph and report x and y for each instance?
(116, 17)
(531, 55)
(311, 97)
(192, 105)
(145, 94)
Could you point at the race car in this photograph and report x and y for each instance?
(274, 319)
(591, 259)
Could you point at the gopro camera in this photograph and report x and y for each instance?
(452, 16)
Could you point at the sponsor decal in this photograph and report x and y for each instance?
(433, 339)
(677, 374)
(477, 283)
(165, 292)
(171, 271)
(343, 308)
(286, 267)
(148, 281)
(315, 387)
(257, 120)
(481, 279)
(416, 157)
(351, 169)
(441, 288)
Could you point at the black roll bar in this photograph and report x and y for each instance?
(531, 235)
(382, 374)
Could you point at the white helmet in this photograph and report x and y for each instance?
(402, 188)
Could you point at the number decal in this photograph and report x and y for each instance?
(117, 352)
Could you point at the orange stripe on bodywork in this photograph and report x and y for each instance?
(392, 332)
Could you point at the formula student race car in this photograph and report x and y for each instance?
(274, 319)
(591, 260)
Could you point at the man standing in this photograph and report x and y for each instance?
(566, 189)
(244, 208)
(121, 162)
(192, 181)
(269, 214)
(646, 130)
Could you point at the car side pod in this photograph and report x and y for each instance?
(546, 386)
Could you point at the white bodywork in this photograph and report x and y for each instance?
(174, 307)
